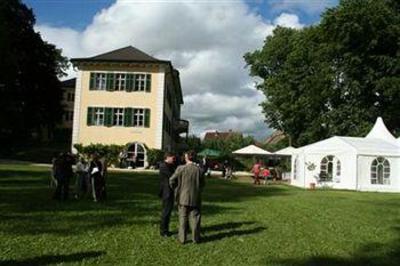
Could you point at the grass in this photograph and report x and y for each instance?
(242, 225)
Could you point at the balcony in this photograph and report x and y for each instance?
(181, 126)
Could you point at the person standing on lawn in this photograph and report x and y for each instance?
(167, 168)
(81, 178)
(63, 173)
(256, 171)
(95, 172)
(266, 175)
(189, 181)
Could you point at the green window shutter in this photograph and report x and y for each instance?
(134, 82)
(110, 81)
(128, 117)
(146, 117)
(92, 81)
(148, 83)
(90, 115)
(108, 117)
(129, 82)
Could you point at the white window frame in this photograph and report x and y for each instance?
(138, 117)
(100, 81)
(99, 115)
(118, 117)
(120, 81)
(377, 177)
(336, 166)
(140, 82)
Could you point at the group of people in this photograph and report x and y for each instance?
(183, 184)
(260, 172)
(226, 168)
(90, 177)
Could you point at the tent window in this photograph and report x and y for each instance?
(338, 168)
(380, 171)
(295, 168)
(330, 168)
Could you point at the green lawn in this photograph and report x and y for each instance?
(242, 225)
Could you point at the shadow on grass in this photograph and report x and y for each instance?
(232, 233)
(225, 226)
(372, 254)
(53, 259)
(132, 199)
(227, 230)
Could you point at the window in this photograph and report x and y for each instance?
(136, 154)
(68, 116)
(100, 79)
(120, 82)
(71, 97)
(295, 168)
(338, 168)
(330, 168)
(98, 116)
(138, 117)
(118, 116)
(140, 82)
(380, 171)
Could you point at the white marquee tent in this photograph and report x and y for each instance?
(288, 151)
(371, 163)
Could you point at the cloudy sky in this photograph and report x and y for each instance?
(205, 40)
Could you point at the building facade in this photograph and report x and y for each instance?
(68, 88)
(127, 97)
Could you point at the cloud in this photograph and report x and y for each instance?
(288, 20)
(205, 41)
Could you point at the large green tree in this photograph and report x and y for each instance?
(336, 77)
(29, 70)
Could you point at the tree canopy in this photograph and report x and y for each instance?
(229, 144)
(333, 78)
(29, 70)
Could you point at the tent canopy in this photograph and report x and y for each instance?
(288, 151)
(252, 150)
(355, 145)
(210, 153)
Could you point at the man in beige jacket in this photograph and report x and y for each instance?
(189, 182)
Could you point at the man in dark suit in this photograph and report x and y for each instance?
(167, 168)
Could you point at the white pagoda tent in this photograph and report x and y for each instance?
(251, 150)
(371, 163)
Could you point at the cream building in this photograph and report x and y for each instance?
(128, 97)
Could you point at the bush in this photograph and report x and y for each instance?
(154, 156)
(109, 152)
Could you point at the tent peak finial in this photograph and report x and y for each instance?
(379, 131)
